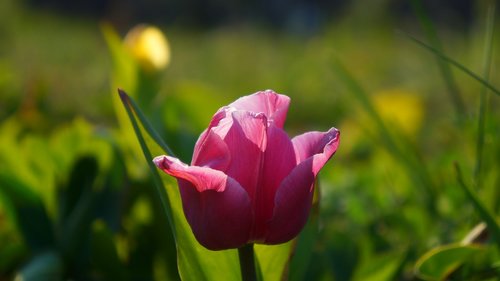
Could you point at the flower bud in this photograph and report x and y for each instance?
(149, 47)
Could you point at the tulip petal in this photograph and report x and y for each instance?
(216, 207)
(294, 196)
(219, 220)
(312, 143)
(245, 136)
(218, 116)
(211, 151)
(273, 105)
(202, 178)
(291, 205)
(279, 161)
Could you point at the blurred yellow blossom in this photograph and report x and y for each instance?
(400, 108)
(149, 46)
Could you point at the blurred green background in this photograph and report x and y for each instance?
(75, 193)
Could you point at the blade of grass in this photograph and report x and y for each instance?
(431, 34)
(145, 123)
(485, 215)
(410, 158)
(483, 98)
(194, 262)
(453, 62)
(131, 108)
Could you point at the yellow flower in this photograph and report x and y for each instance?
(149, 47)
(400, 108)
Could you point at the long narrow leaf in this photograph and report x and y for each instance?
(454, 63)
(431, 34)
(194, 261)
(147, 126)
(488, 47)
(149, 158)
(485, 215)
(438, 263)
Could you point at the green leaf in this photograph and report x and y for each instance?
(78, 211)
(454, 63)
(104, 256)
(440, 262)
(45, 266)
(380, 268)
(125, 75)
(31, 215)
(482, 211)
(431, 34)
(124, 66)
(81, 179)
(194, 261)
(273, 260)
(12, 252)
(481, 120)
(148, 128)
(303, 245)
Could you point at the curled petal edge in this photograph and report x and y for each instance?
(202, 178)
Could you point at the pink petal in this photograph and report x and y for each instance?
(202, 178)
(312, 143)
(294, 196)
(216, 207)
(273, 105)
(245, 136)
(218, 116)
(219, 220)
(279, 161)
(211, 151)
(291, 205)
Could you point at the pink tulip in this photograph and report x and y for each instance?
(248, 182)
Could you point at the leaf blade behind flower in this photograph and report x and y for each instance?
(454, 63)
(194, 261)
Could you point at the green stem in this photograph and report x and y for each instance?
(247, 263)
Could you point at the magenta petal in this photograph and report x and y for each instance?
(218, 116)
(294, 196)
(219, 220)
(291, 205)
(211, 151)
(273, 105)
(279, 161)
(216, 207)
(246, 141)
(202, 178)
(322, 143)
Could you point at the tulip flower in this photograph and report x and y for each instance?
(248, 182)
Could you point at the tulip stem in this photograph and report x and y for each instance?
(247, 263)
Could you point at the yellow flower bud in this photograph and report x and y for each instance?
(149, 47)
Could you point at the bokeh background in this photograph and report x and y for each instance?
(72, 182)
